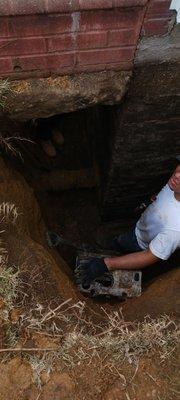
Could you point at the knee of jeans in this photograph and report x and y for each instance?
(125, 243)
(120, 239)
(116, 244)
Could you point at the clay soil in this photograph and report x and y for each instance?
(47, 277)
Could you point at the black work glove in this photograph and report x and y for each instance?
(89, 270)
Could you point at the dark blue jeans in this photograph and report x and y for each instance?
(127, 242)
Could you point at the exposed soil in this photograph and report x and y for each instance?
(26, 241)
(152, 380)
(48, 278)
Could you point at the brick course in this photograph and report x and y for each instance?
(65, 36)
(3, 27)
(158, 26)
(29, 63)
(59, 43)
(39, 25)
(160, 7)
(112, 19)
(91, 40)
(105, 56)
(158, 18)
(24, 7)
(6, 65)
(22, 46)
(124, 37)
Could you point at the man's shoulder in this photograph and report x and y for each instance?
(165, 191)
(171, 233)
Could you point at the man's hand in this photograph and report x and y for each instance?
(94, 268)
(89, 270)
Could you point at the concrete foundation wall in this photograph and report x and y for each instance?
(145, 139)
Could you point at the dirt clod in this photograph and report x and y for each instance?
(61, 386)
(15, 379)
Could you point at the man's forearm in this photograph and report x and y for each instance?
(137, 260)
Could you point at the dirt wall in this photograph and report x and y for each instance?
(45, 272)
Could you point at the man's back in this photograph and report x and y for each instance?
(159, 226)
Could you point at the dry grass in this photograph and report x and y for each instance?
(118, 340)
(117, 343)
(4, 90)
(9, 282)
(8, 275)
(9, 143)
(3, 252)
(8, 213)
(39, 365)
(125, 341)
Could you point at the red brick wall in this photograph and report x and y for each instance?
(41, 38)
(158, 18)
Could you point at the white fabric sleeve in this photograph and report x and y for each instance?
(165, 243)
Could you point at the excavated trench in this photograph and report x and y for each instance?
(69, 187)
(70, 190)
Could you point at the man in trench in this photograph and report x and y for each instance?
(155, 237)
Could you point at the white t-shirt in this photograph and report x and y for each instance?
(159, 226)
